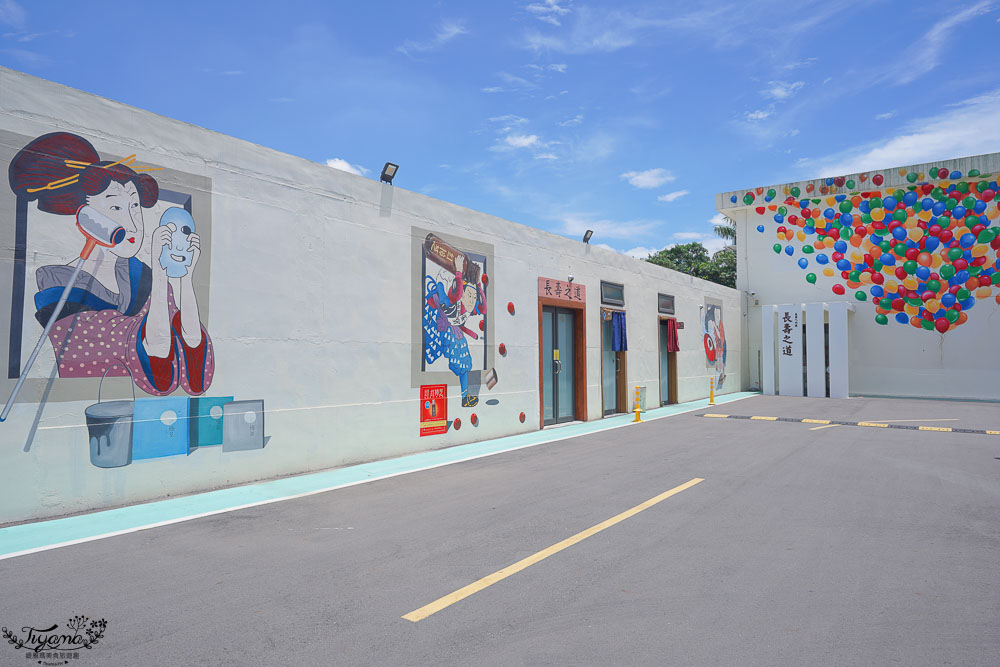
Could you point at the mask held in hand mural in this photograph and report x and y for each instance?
(120, 311)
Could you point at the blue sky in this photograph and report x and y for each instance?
(622, 117)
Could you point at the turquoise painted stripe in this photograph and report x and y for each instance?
(42, 534)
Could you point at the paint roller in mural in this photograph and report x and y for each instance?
(454, 313)
(926, 252)
(126, 306)
(714, 337)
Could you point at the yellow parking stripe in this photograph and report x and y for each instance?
(815, 421)
(719, 416)
(934, 428)
(875, 424)
(770, 419)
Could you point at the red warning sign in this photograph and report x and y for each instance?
(433, 409)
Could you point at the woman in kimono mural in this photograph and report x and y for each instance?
(715, 342)
(120, 311)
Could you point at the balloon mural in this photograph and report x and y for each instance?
(924, 253)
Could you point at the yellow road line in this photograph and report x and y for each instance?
(875, 424)
(475, 587)
(770, 419)
(719, 416)
(816, 428)
(917, 420)
(993, 433)
(934, 428)
(817, 421)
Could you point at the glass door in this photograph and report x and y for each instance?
(609, 369)
(558, 369)
(664, 365)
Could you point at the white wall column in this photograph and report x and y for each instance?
(790, 350)
(815, 350)
(838, 350)
(767, 349)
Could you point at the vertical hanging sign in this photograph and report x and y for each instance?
(790, 374)
(433, 409)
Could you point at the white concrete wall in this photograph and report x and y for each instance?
(884, 360)
(308, 299)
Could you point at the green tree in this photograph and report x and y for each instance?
(727, 231)
(722, 268)
(694, 260)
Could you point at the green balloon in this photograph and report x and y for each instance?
(911, 177)
(995, 278)
(886, 303)
(984, 236)
(974, 270)
(937, 194)
(954, 253)
(776, 248)
(808, 249)
(899, 215)
(881, 319)
(951, 203)
(854, 276)
(860, 296)
(983, 185)
(915, 301)
(877, 265)
(952, 315)
(969, 202)
(771, 193)
(973, 172)
(934, 285)
(927, 324)
(866, 218)
(898, 194)
(875, 202)
(899, 249)
(971, 221)
(962, 187)
(846, 206)
(815, 201)
(748, 198)
(963, 294)
(850, 184)
(782, 210)
(910, 266)
(796, 191)
(947, 271)
(811, 278)
(886, 246)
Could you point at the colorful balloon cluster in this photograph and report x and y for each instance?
(926, 254)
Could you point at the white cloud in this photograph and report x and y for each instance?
(344, 165)
(575, 225)
(885, 116)
(13, 14)
(651, 178)
(717, 219)
(558, 67)
(715, 244)
(782, 90)
(546, 156)
(576, 120)
(641, 252)
(759, 114)
(548, 11)
(507, 122)
(673, 196)
(232, 72)
(924, 53)
(690, 236)
(971, 127)
(492, 89)
(801, 63)
(447, 31)
(521, 140)
(598, 32)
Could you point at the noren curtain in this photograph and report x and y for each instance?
(672, 343)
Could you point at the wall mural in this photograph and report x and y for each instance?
(126, 306)
(926, 254)
(714, 337)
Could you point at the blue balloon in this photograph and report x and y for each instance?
(778, 218)
(760, 228)
(875, 238)
(733, 199)
(958, 212)
(911, 244)
(829, 214)
(877, 291)
(844, 265)
(899, 233)
(789, 250)
(840, 246)
(967, 255)
(902, 318)
(923, 273)
(803, 263)
(809, 230)
(955, 174)
(859, 266)
(822, 259)
(926, 203)
(961, 277)
(840, 198)
(951, 188)
(910, 198)
(979, 207)
(887, 259)
(948, 300)
(864, 207)
(939, 208)
(931, 243)
(968, 303)
(847, 219)
(889, 203)
(804, 203)
(768, 198)
(967, 240)
(829, 181)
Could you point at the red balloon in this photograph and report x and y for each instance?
(838, 289)
(945, 236)
(927, 296)
(977, 228)
(835, 233)
(988, 194)
(984, 281)
(837, 256)
(941, 324)
(912, 253)
(960, 264)
(978, 261)
(760, 210)
(942, 173)
(877, 278)
(839, 181)
(927, 188)
(898, 304)
(877, 179)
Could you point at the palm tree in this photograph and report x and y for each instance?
(727, 231)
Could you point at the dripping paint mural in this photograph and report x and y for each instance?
(714, 337)
(455, 334)
(924, 253)
(129, 304)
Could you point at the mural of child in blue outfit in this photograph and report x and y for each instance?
(447, 311)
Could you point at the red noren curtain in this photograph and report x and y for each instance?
(672, 345)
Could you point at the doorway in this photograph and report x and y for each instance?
(613, 370)
(558, 365)
(668, 366)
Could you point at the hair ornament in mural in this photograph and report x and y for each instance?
(454, 312)
(926, 252)
(126, 305)
(714, 338)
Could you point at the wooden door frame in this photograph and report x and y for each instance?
(671, 366)
(579, 356)
(622, 380)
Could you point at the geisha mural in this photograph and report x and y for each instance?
(714, 336)
(126, 305)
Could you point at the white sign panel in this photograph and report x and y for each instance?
(790, 350)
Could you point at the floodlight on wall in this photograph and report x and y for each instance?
(587, 235)
(388, 172)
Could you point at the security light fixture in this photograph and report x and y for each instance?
(587, 235)
(388, 172)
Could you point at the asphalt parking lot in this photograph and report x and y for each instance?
(804, 543)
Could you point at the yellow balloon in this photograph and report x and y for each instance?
(961, 231)
(866, 278)
(944, 185)
(786, 190)
(925, 215)
(831, 201)
(828, 271)
(910, 283)
(891, 285)
(936, 261)
(902, 172)
(932, 304)
(801, 236)
(983, 292)
(980, 250)
(856, 257)
(910, 309)
(993, 213)
(878, 214)
(915, 234)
